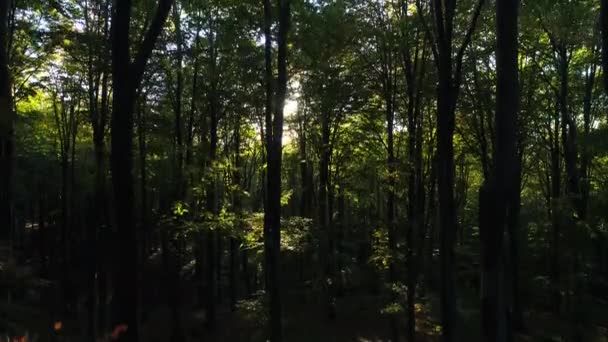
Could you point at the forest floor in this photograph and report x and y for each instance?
(358, 319)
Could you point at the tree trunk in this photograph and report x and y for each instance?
(604, 28)
(325, 214)
(179, 146)
(495, 193)
(416, 200)
(210, 236)
(569, 130)
(211, 193)
(7, 118)
(126, 78)
(447, 210)
(238, 211)
(392, 176)
(554, 204)
(586, 154)
(274, 138)
(516, 311)
(450, 73)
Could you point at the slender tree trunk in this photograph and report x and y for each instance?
(210, 240)
(495, 193)
(7, 117)
(269, 262)
(569, 132)
(392, 176)
(450, 73)
(93, 80)
(586, 154)
(73, 228)
(211, 200)
(101, 196)
(42, 230)
(555, 214)
(193, 105)
(604, 28)
(179, 155)
(238, 210)
(327, 259)
(306, 202)
(143, 177)
(274, 138)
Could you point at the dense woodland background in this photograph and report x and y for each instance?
(303, 170)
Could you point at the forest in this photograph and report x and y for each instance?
(303, 170)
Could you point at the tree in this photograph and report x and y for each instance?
(334, 214)
(127, 75)
(494, 195)
(414, 55)
(604, 26)
(6, 124)
(275, 99)
(449, 70)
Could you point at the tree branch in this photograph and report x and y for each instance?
(466, 42)
(427, 30)
(147, 45)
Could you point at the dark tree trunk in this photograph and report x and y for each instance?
(569, 133)
(179, 145)
(586, 154)
(64, 117)
(447, 210)
(555, 195)
(389, 102)
(143, 178)
(604, 28)
(73, 229)
(269, 262)
(211, 237)
(6, 126)
(414, 74)
(126, 78)
(101, 196)
(305, 173)
(238, 211)
(42, 231)
(193, 107)
(516, 318)
(495, 194)
(450, 73)
(325, 214)
(274, 137)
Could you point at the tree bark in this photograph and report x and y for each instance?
(179, 145)
(414, 74)
(604, 28)
(450, 73)
(494, 197)
(7, 117)
(274, 138)
(325, 214)
(516, 318)
(126, 79)
(211, 193)
(238, 211)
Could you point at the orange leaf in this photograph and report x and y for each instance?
(58, 325)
